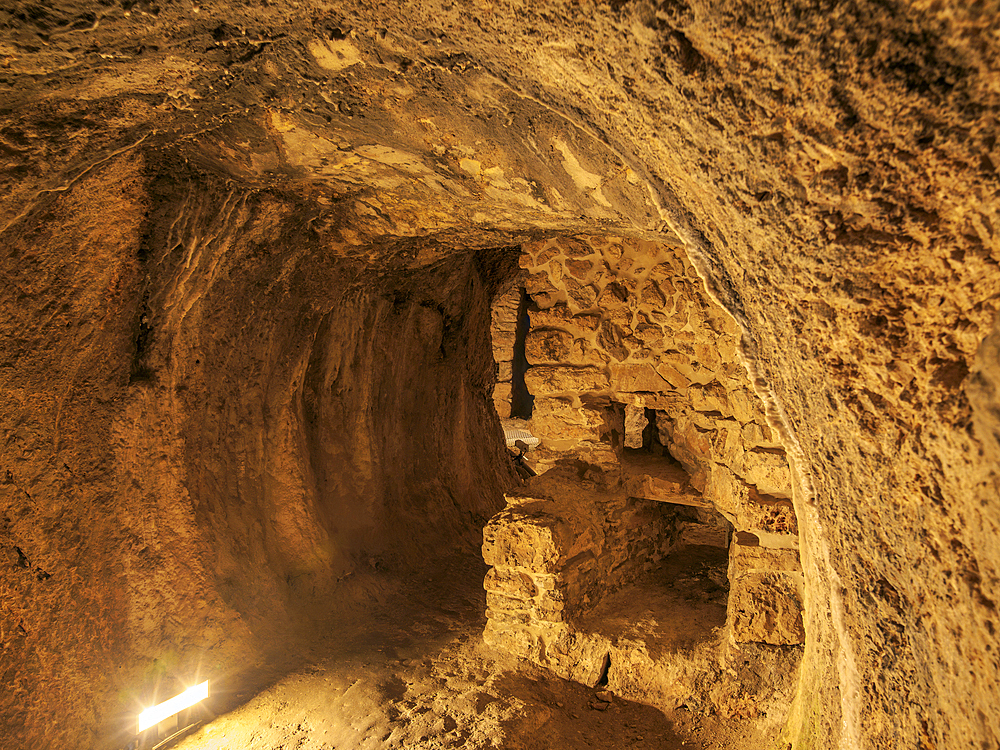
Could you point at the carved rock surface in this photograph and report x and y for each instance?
(243, 282)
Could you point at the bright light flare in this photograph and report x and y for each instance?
(156, 714)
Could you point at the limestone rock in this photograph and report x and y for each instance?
(504, 371)
(523, 537)
(636, 379)
(548, 345)
(513, 584)
(635, 423)
(766, 608)
(610, 337)
(672, 376)
(766, 471)
(547, 380)
(583, 296)
(555, 419)
(249, 254)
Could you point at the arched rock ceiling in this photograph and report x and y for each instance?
(831, 169)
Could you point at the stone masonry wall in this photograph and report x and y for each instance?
(621, 325)
(554, 551)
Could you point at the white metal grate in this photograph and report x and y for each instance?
(512, 435)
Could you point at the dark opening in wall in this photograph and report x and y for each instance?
(651, 435)
(521, 401)
(675, 594)
(650, 438)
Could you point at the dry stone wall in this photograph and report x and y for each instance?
(621, 326)
(833, 170)
(556, 549)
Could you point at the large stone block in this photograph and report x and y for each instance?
(502, 405)
(503, 345)
(710, 398)
(687, 442)
(680, 359)
(766, 607)
(511, 583)
(746, 407)
(727, 442)
(743, 559)
(675, 379)
(548, 380)
(506, 305)
(637, 379)
(538, 282)
(583, 295)
(560, 316)
(508, 619)
(576, 247)
(504, 325)
(505, 371)
(727, 493)
(635, 423)
(555, 420)
(547, 610)
(759, 436)
(651, 296)
(665, 483)
(767, 471)
(649, 334)
(501, 392)
(580, 268)
(522, 537)
(707, 355)
(548, 345)
(557, 316)
(610, 337)
(510, 605)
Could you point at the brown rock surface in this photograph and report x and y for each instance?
(247, 253)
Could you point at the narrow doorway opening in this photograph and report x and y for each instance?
(521, 401)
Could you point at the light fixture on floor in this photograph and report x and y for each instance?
(161, 711)
(513, 434)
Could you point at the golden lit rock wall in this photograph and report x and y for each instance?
(555, 551)
(830, 168)
(218, 429)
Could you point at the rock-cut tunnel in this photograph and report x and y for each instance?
(278, 282)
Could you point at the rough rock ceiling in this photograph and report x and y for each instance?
(257, 181)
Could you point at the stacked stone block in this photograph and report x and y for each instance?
(765, 594)
(555, 550)
(625, 326)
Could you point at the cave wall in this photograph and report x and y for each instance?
(70, 303)
(204, 456)
(830, 169)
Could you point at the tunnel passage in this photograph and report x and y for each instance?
(833, 175)
(660, 480)
(264, 382)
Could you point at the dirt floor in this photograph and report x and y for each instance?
(411, 671)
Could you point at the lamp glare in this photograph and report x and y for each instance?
(156, 714)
